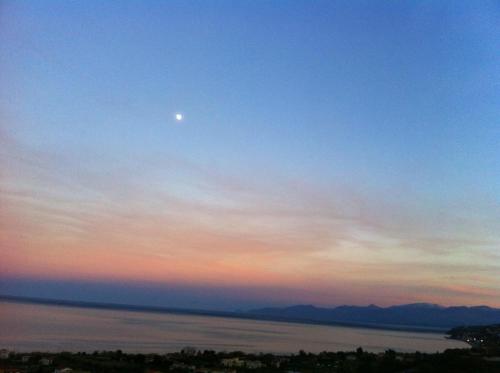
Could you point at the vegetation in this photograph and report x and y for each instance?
(485, 336)
(190, 360)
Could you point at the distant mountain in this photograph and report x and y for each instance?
(424, 315)
(410, 317)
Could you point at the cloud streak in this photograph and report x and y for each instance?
(169, 220)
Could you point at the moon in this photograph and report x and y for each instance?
(179, 117)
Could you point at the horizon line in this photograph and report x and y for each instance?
(228, 314)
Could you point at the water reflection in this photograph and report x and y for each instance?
(29, 327)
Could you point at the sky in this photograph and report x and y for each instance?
(330, 152)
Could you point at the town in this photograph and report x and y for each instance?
(485, 336)
(475, 360)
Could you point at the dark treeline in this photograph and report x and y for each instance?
(190, 360)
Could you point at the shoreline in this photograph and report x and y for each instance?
(221, 314)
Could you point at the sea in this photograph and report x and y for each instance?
(27, 327)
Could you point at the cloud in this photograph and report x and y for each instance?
(158, 217)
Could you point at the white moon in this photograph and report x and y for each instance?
(179, 117)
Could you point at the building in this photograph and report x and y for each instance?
(182, 366)
(45, 361)
(254, 364)
(232, 362)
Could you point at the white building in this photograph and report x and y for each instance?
(45, 361)
(233, 362)
(253, 364)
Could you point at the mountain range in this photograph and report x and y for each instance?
(417, 315)
(410, 317)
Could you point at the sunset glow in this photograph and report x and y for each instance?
(315, 173)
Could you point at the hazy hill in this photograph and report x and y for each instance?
(417, 314)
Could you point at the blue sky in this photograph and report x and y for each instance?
(383, 113)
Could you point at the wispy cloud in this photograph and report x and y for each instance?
(170, 220)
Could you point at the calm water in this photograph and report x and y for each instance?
(30, 327)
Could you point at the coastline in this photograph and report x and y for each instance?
(222, 314)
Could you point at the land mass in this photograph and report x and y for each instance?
(422, 317)
(193, 361)
(482, 336)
